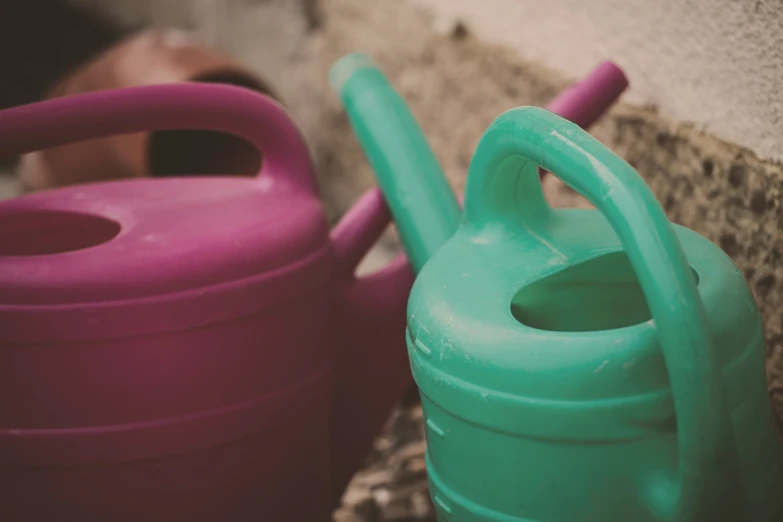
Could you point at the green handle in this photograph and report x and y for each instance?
(503, 195)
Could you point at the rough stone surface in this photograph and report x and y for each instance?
(456, 86)
(393, 485)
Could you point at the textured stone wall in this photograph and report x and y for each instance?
(717, 63)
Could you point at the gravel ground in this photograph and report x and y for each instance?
(9, 185)
(393, 485)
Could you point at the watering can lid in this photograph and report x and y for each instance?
(135, 239)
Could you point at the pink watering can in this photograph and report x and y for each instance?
(193, 348)
(179, 349)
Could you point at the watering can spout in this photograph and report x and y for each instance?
(417, 192)
(586, 101)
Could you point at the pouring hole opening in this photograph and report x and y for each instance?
(45, 232)
(599, 294)
(201, 152)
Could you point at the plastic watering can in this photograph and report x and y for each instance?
(188, 349)
(581, 365)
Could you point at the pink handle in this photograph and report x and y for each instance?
(235, 110)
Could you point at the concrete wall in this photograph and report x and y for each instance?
(717, 64)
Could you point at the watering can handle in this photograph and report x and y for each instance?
(235, 110)
(503, 195)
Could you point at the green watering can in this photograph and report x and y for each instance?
(575, 365)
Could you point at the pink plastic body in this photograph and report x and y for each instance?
(190, 349)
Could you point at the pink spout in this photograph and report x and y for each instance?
(586, 101)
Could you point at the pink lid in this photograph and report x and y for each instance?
(125, 240)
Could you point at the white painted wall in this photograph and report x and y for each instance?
(715, 63)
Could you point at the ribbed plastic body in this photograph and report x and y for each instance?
(189, 349)
(574, 365)
(157, 370)
(558, 427)
(587, 365)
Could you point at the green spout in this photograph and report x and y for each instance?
(426, 211)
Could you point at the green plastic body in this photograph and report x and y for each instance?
(574, 365)
(587, 365)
